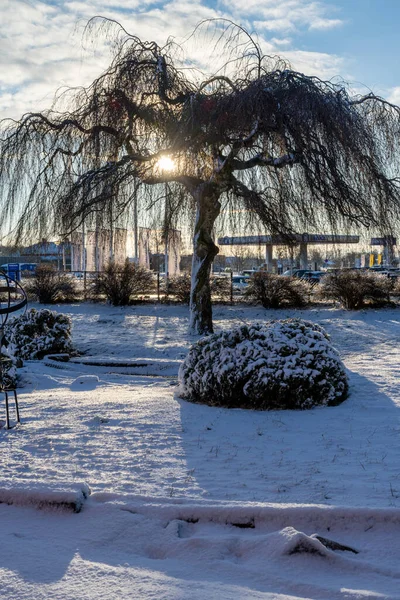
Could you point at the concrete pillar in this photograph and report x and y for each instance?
(303, 256)
(388, 254)
(268, 257)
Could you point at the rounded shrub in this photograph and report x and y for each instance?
(179, 286)
(274, 291)
(356, 289)
(122, 284)
(39, 332)
(8, 366)
(220, 288)
(288, 364)
(48, 286)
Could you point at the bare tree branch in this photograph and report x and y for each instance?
(260, 161)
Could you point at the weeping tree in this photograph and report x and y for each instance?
(252, 137)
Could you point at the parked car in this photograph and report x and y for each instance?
(391, 272)
(295, 272)
(239, 283)
(313, 277)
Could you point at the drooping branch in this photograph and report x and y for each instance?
(217, 79)
(267, 212)
(260, 161)
(190, 183)
(35, 121)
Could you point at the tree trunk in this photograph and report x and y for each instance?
(204, 252)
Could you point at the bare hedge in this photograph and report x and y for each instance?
(275, 291)
(122, 284)
(356, 289)
(179, 287)
(48, 286)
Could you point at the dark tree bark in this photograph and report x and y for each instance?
(204, 252)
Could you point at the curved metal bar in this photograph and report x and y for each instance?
(12, 287)
(13, 307)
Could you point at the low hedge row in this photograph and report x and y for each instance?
(131, 283)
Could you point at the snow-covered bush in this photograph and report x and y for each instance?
(354, 289)
(274, 291)
(288, 364)
(39, 332)
(8, 366)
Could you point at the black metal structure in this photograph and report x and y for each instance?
(12, 299)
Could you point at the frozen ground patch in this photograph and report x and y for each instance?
(125, 434)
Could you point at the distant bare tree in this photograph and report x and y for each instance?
(242, 256)
(281, 148)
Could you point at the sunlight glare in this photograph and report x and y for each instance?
(165, 163)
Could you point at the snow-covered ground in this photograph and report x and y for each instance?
(190, 501)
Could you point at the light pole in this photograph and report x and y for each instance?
(135, 228)
(166, 164)
(166, 236)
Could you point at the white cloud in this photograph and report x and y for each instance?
(286, 15)
(325, 66)
(319, 23)
(394, 95)
(41, 50)
(281, 41)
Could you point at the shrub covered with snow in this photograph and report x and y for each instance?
(288, 364)
(39, 332)
(8, 366)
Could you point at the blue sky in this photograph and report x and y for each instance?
(40, 40)
(368, 39)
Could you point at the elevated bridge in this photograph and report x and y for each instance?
(299, 239)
